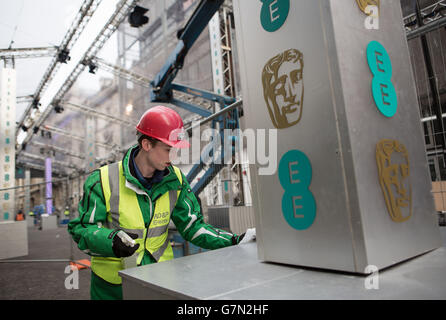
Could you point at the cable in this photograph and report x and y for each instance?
(15, 29)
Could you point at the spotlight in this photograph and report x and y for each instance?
(36, 103)
(63, 56)
(137, 18)
(58, 109)
(92, 68)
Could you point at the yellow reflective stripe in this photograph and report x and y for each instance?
(114, 173)
(105, 186)
(156, 246)
(160, 252)
(157, 231)
(139, 232)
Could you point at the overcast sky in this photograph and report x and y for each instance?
(42, 23)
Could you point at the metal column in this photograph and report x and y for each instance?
(352, 187)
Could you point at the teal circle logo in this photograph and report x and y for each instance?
(298, 203)
(383, 90)
(274, 14)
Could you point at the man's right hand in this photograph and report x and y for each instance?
(123, 244)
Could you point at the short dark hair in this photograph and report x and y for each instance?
(141, 137)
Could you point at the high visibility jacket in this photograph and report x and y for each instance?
(109, 203)
(122, 204)
(66, 212)
(20, 217)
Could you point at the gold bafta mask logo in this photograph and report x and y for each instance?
(283, 88)
(393, 170)
(363, 4)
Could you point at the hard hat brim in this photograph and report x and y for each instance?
(182, 144)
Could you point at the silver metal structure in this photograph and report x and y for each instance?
(87, 9)
(20, 53)
(95, 113)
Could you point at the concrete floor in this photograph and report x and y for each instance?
(44, 280)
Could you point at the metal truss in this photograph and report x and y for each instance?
(180, 96)
(123, 8)
(98, 114)
(19, 53)
(23, 99)
(56, 169)
(42, 158)
(58, 149)
(121, 72)
(76, 137)
(226, 47)
(27, 164)
(429, 14)
(87, 9)
(234, 172)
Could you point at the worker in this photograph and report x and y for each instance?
(66, 213)
(38, 211)
(66, 216)
(127, 206)
(19, 216)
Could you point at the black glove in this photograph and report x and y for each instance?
(123, 244)
(237, 239)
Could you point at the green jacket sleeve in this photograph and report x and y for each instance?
(190, 224)
(87, 230)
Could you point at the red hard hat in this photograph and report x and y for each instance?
(164, 124)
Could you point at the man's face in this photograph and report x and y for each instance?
(158, 156)
(393, 168)
(284, 94)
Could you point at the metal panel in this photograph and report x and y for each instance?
(241, 218)
(14, 239)
(219, 217)
(420, 278)
(338, 132)
(367, 126)
(327, 243)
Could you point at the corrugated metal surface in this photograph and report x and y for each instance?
(235, 219)
(241, 218)
(219, 217)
